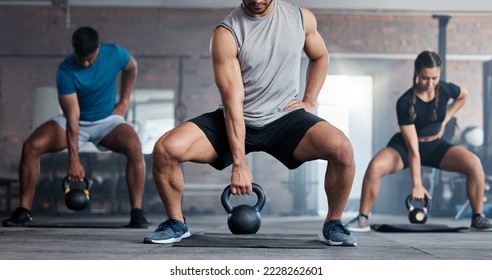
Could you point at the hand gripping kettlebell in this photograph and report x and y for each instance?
(417, 215)
(244, 219)
(77, 199)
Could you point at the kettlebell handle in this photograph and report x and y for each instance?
(66, 185)
(410, 207)
(260, 193)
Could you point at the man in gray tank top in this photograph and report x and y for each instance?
(256, 54)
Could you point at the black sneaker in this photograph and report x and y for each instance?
(21, 217)
(137, 219)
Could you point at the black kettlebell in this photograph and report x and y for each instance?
(417, 215)
(77, 199)
(244, 219)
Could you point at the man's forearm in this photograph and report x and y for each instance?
(128, 79)
(72, 134)
(315, 78)
(236, 134)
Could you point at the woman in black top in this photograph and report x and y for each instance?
(422, 113)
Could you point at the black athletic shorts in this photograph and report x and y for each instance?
(278, 138)
(431, 153)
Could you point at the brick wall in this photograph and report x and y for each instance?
(35, 38)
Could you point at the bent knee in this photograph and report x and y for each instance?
(344, 154)
(130, 147)
(135, 144)
(135, 148)
(374, 170)
(476, 162)
(165, 149)
(32, 147)
(474, 166)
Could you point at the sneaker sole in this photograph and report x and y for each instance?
(358, 229)
(166, 241)
(335, 243)
(7, 224)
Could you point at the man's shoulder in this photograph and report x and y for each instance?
(287, 4)
(111, 47)
(67, 63)
(115, 53)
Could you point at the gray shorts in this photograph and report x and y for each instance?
(93, 132)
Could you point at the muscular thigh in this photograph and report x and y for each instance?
(321, 141)
(48, 137)
(386, 161)
(187, 142)
(121, 138)
(459, 159)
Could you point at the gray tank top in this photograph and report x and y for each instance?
(269, 53)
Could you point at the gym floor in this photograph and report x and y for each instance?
(93, 238)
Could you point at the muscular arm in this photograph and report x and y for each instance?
(128, 78)
(316, 51)
(227, 75)
(410, 135)
(70, 106)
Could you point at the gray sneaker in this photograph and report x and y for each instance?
(359, 223)
(170, 231)
(481, 223)
(335, 233)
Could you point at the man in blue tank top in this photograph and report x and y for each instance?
(256, 53)
(86, 83)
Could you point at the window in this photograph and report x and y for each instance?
(151, 114)
(346, 102)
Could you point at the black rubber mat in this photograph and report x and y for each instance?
(79, 225)
(253, 241)
(417, 228)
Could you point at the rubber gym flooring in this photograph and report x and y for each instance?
(279, 239)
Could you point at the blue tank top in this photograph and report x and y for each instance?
(269, 53)
(95, 86)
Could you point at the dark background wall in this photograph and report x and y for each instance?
(34, 39)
